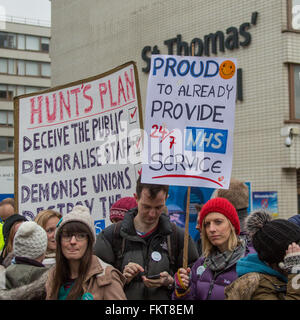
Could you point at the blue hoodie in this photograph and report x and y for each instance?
(251, 263)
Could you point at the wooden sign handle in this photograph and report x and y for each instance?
(187, 215)
(186, 230)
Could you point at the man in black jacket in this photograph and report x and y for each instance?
(140, 245)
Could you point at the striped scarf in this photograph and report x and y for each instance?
(218, 261)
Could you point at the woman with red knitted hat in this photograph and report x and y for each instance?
(221, 249)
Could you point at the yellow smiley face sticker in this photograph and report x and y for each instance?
(227, 69)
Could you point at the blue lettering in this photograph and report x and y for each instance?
(187, 68)
(207, 69)
(206, 140)
(155, 66)
(193, 69)
(170, 66)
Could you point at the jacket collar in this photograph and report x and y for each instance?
(31, 262)
(95, 268)
(251, 263)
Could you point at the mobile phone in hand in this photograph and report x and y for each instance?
(154, 276)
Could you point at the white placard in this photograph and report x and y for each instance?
(189, 121)
(80, 144)
(6, 180)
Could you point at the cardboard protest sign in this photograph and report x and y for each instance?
(6, 182)
(266, 200)
(189, 121)
(79, 144)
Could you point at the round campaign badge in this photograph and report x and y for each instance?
(156, 256)
(87, 296)
(200, 270)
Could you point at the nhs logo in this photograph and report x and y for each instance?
(205, 139)
(99, 225)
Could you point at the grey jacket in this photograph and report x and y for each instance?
(36, 290)
(18, 275)
(140, 251)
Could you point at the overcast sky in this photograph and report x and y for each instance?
(33, 9)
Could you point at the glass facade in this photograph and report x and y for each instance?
(24, 42)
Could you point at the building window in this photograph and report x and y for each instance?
(20, 90)
(32, 43)
(294, 15)
(6, 118)
(3, 65)
(25, 68)
(8, 40)
(24, 42)
(7, 92)
(31, 89)
(21, 41)
(6, 144)
(45, 44)
(294, 79)
(32, 68)
(45, 70)
(21, 68)
(12, 66)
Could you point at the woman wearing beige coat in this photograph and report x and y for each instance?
(273, 272)
(78, 274)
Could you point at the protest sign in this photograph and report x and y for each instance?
(6, 182)
(176, 204)
(266, 200)
(189, 121)
(79, 144)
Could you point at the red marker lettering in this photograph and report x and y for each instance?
(130, 83)
(121, 90)
(38, 110)
(112, 103)
(88, 109)
(51, 117)
(76, 91)
(62, 104)
(102, 89)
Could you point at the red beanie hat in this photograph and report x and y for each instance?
(223, 206)
(119, 208)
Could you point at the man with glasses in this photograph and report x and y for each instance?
(146, 247)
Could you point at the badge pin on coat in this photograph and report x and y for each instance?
(155, 256)
(200, 270)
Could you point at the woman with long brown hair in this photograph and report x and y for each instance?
(78, 274)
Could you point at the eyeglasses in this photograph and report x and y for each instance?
(66, 237)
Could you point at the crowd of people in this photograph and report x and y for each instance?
(239, 256)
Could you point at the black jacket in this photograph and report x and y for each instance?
(139, 250)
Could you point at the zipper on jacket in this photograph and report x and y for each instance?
(212, 284)
(210, 289)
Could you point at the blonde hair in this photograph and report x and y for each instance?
(44, 215)
(208, 247)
